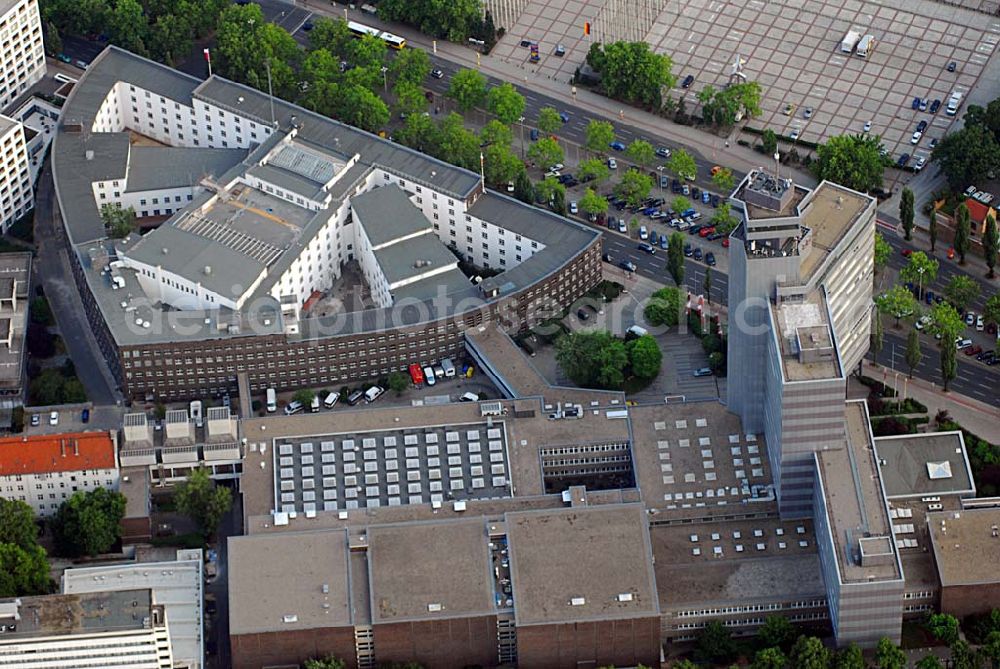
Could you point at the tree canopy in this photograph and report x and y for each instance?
(505, 103)
(675, 257)
(592, 359)
(632, 72)
(966, 154)
(23, 571)
(455, 20)
(962, 291)
(549, 120)
(593, 169)
(854, 161)
(545, 152)
(897, 302)
(88, 523)
(468, 89)
(17, 523)
(644, 356)
(203, 501)
(725, 107)
(591, 203)
(682, 164)
(883, 251)
(663, 307)
(641, 152)
(920, 270)
(598, 135)
(634, 186)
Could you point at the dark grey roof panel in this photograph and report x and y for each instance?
(386, 214)
(152, 168)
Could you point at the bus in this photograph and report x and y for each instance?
(360, 30)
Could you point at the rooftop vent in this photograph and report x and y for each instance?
(939, 470)
(208, 270)
(625, 597)
(578, 601)
(165, 250)
(289, 618)
(434, 607)
(90, 154)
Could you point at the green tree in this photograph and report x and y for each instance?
(963, 657)
(362, 108)
(808, 652)
(523, 190)
(329, 662)
(127, 26)
(549, 121)
(963, 227)
(897, 302)
(592, 359)
(663, 307)
(171, 37)
(410, 65)
(410, 99)
(967, 154)
(888, 655)
(551, 192)
(920, 270)
(877, 335)
(723, 219)
(854, 161)
(333, 35)
(769, 658)
(118, 222)
(53, 42)
(420, 133)
(943, 627)
(962, 291)
(715, 644)
(680, 204)
(634, 186)
(398, 382)
(88, 523)
(304, 396)
(41, 312)
(592, 204)
(675, 257)
(496, 133)
(948, 323)
(204, 502)
(682, 164)
(501, 165)
(644, 356)
(458, 145)
(23, 571)
(723, 180)
(991, 648)
(468, 89)
(776, 631)
(455, 20)
(913, 353)
(505, 103)
(906, 213)
(991, 245)
(599, 135)
(769, 142)
(849, 658)
(545, 152)
(369, 53)
(641, 152)
(883, 251)
(593, 169)
(632, 72)
(17, 523)
(929, 662)
(991, 311)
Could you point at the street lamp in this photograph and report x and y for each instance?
(385, 81)
(920, 281)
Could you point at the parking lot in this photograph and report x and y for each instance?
(793, 50)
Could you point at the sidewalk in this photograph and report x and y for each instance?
(709, 146)
(973, 415)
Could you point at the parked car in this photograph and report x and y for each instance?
(617, 146)
(643, 232)
(807, 113)
(715, 201)
(560, 50)
(85, 416)
(663, 152)
(916, 104)
(582, 314)
(688, 250)
(702, 371)
(868, 126)
(974, 350)
(35, 420)
(63, 58)
(706, 197)
(915, 137)
(612, 164)
(903, 159)
(688, 80)
(573, 209)
(437, 73)
(922, 126)
(980, 324)
(970, 318)
(951, 66)
(923, 104)
(710, 259)
(564, 116)
(919, 165)
(647, 248)
(698, 254)
(54, 418)
(533, 134)
(627, 265)
(935, 106)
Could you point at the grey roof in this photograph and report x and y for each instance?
(154, 167)
(903, 464)
(386, 214)
(288, 181)
(74, 176)
(438, 285)
(399, 261)
(189, 255)
(325, 132)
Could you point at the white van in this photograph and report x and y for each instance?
(469, 397)
(373, 393)
(331, 400)
(272, 401)
(429, 376)
(293, 408)
(638, 331)
(314, 405)
(448, 367)
(954, 102)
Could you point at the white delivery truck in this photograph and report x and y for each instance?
(448, 367)
(865, 46)
(331, 400)
(272, 400)
(314, 404)
(850, 41)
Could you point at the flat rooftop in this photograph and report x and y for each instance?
(408, 465)
(581, 563)
(89, 613)
(830, 212)
(856, 509)
(387, 214)
(15, 271)
(920, 465)
(714, 563)
(966, 546)
(428, 571)
(289, 581)
(694, 459)
(805, 339)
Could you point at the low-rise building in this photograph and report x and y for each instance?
(15, 298)
(966, 546)
(45, 470)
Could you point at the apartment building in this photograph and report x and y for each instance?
(16, 196)
(45, 470)
(22, 58)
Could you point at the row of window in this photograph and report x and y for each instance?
(751, 608)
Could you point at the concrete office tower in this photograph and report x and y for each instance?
(22, 61)
(16, 197)
(801, 266)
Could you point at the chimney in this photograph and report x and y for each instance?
(62, 447)
(76, 447)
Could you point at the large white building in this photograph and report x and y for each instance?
(112, 630)
(16, 196)
(45, 470)
(22, 58)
